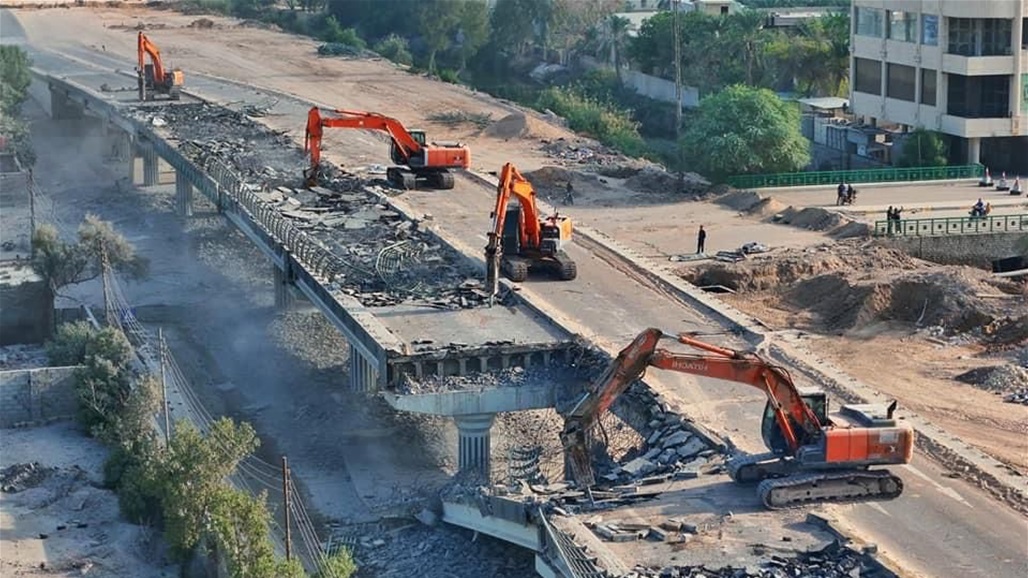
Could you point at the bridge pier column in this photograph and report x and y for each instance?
(151, 166)
(363, 373)
(62, 108)
(184, 197)
(473, 445)
(282, 280)
(974, 150)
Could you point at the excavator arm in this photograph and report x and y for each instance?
(720, 363)
(144, 47)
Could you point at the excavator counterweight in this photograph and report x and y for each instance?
(814, 456)
(520, 239)
(154, 79)
(417, 161)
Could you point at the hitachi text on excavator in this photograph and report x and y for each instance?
(814, 457)
(154, 79)
(521, 239)
(418, 162)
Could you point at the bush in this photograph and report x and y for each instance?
(449, 75)
(339, 564)
(396, 49)
(333, 32)
(610, 125)
(68, 346)
(206, 7)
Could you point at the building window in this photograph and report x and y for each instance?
(928, 87)
(901, 82)
(978, 96)
(980, 36)
(868, 76)
(996, 36)
(1024, 34)
(902, 26)
(929, 30)
(869, 22)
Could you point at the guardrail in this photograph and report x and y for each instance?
(941, 227)
(857, 176)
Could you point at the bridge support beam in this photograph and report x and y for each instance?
(282, 280)
(184, 199)
(473, 445)
(151, 166)
(62, 107)
(363, 373)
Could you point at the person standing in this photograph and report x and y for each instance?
(888, 217)
(701, 239)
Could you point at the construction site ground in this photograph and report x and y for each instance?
(56, 519)
(650, 220)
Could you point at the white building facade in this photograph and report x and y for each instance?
(959, 67)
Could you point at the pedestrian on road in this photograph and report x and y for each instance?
(569, 194)
(701, 239)
(888, 219)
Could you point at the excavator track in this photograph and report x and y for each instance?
(567, 269)
(750, 469)
(836, 487)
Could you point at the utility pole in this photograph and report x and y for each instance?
(110, 318)
(285, 507)
(678, 95)
(32, 215)
(164, 389)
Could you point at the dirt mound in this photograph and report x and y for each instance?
(852, 229)
(750, 202)
(658, 180)
(851, 284)
(19, 477)
(812, 218)
(520, 125)
(202, 23)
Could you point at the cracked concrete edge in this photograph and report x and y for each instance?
(934, 441)
(881, 562)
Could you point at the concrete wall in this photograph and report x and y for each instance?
(648, 85)
(15, 228)
(37, 395)
(26, 305)
(975, 250)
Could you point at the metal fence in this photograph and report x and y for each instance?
(857, 176)
(952, 226)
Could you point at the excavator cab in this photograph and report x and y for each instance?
(770, 430)
(397, 155)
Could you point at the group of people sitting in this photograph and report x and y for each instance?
(981, 209)
(846, 194)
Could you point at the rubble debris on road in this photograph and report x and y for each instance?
(1009, 381)
(20, 477)
(833, 561)
(381, 258)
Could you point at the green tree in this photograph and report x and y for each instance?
(193, 473)
(816, 57)
(439, 20)
(61, 264)
(15, 78)
(613, 39)
(472, 29)
(241, 526)
(16, 133)
(923, 148)
(395, 48)
(520, 24)
(745, 130)
(338, 565)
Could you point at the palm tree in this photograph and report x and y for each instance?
(612, 38)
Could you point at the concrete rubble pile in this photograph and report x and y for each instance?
(1009, 381)
(833, 561)
(384, 259)
(673, 448)
(580, 152)
(20, 477)
(22, 356)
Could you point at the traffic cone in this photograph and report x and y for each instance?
(986, 180)
(1002, 184)
(1016, 189)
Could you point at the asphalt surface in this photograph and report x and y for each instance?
(939, 527)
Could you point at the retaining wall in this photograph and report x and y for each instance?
(26, 305)
(31, 396)
(974, 250)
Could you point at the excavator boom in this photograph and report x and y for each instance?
(408, 148)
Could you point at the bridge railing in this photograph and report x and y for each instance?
(939, 227)
(889, 175)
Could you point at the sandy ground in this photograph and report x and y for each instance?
(65, 524)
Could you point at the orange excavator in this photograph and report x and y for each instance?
(520, 239)
(419, 161)
(153, 78)
(814, 457)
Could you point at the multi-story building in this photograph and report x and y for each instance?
(959, 67)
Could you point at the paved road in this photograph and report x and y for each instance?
(940, 527)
